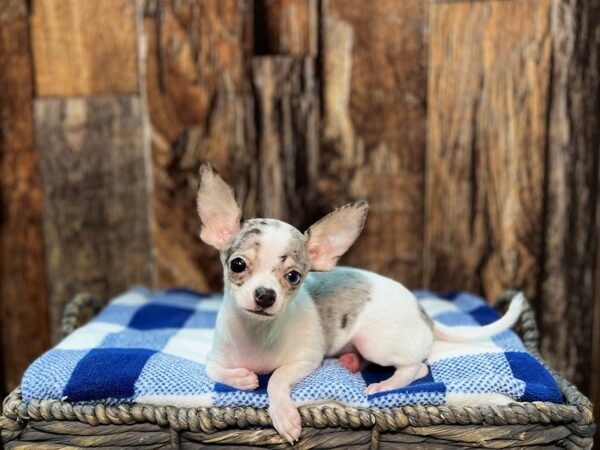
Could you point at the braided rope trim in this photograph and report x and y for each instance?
(81, 306)
(578, 412)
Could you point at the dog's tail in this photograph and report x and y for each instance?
(472, 333)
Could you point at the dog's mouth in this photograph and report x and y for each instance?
(259, 312)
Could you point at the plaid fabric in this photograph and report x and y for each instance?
(150, 347)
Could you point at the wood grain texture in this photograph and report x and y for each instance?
(285, 27)
(84, 47)
(569, 285)
(24, 331)
(201, 108)
(11, 10)
(287, 109)
(373, 140)
(96, 195)
(489, 81)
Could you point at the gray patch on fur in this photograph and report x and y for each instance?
(293, 257)
(250, 228)
(428, 320)
(297, 251)
(340, 296)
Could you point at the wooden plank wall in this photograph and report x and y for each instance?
(472, 127)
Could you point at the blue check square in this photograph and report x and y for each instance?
(154, 316)
(107, 373)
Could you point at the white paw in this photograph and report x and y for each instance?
(286, 419)
(242, 379)
(374, 388)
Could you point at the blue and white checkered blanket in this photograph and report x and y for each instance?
(150, 347)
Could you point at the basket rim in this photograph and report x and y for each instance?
(577, 410)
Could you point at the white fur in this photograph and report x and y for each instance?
(469, 334)
(391, 331)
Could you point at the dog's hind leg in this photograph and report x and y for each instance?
(403, 376)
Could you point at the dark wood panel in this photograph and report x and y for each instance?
(285, 27)
(287, 109)
(489, 81)
(568, 289)
(23, 309)
(84, 47)
(200, 105)
(96, 194)
(373, 142)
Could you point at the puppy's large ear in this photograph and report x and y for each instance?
(219, 212)
(332, 236)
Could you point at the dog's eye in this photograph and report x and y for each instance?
(237, 265)
(293, 277)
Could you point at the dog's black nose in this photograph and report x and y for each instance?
(264, 297)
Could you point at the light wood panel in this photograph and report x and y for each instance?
(489, 82)
(373, 142)
(84, 47)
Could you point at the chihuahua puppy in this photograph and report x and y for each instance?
(286, 306)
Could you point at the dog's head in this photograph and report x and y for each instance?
(266, 260)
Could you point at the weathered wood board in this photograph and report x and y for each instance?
(287, 110)
(512, 162)
(489, 82)
(373, 141)
(23, 312)
(84, 47)
(200, 106)
(569, 265)
(96, 197)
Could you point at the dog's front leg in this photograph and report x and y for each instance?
(284, 413)
(239, 378)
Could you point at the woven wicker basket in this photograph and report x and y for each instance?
(56, 424)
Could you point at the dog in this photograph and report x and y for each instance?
(286, 306)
